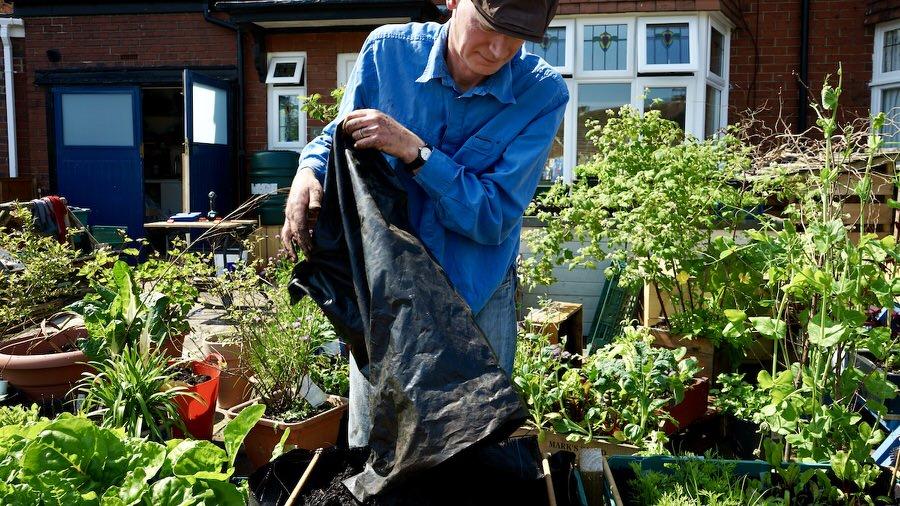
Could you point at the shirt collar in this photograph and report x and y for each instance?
(499, 84)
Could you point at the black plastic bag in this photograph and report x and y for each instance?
(438, 388)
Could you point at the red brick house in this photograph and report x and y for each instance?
(107, 91)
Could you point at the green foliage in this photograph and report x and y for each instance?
(737, 397)
(620, 391)
(326, 113)
(132, 390)
(283, 341)
(72, 461)
(650, 202)
(19, 415)
(49, 273)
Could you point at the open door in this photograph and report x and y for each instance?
(207, 132)
(98, 153)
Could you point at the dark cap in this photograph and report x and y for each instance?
(523, 19)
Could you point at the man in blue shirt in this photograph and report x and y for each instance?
(466, 117)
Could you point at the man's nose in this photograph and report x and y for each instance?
(500, 47)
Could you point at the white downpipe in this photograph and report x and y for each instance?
(10, 94)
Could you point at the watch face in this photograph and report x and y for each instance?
(425, 152)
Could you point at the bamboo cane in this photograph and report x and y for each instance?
(548, 479)
(299, 486)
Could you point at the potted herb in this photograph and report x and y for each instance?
(623, 392)
(284, 346)
(654, 209)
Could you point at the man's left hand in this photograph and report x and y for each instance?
(373, 129)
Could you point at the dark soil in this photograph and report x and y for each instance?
(186, 375)
(468, 480)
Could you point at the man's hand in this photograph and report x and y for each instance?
(301, 211)
(371, 128)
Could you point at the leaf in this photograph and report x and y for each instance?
(824, 332)
(174, 491)
(682, 277)
(238, 428)
(279, 448)
(769, 327)
(190, 458)
(735, 315)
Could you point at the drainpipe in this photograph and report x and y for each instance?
(5, 24)
(803, 99)
(240, 98)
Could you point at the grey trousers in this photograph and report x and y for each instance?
(498, 322)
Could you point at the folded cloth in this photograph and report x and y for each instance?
(60, 212)
(42, 211)
(438, 387)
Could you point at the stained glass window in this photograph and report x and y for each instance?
(716, 52)
(288, 118)
(594, 99)
(891, 60)
(672, 101)
(553, 48)
(605, 47)
(668, 44)
(553, 169)
(713, 111)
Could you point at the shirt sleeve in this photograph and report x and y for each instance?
(315, 154)
(486, 207)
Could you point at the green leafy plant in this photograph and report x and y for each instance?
(19, 415)
(72, 461)
(652, 202)
(284, 342)
(324, 112)
(619, 391)
(49, 273)
(133, 390)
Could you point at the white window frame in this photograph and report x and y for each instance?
(691, 123)
(299, 59)
(723, 107)
(726, 48)
(342, 72)
(880, 78)
(572, 119)
(569, 50)
(693, 52)
(629, 51)
(272, 94)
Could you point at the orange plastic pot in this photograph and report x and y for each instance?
(198, 411)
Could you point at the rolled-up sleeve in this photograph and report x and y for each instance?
(486, 205)
(315, 154)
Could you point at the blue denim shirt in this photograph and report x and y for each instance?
(490, 144)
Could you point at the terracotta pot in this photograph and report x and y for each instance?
(28, 362)
(173, 346)
(319, 431)
(692, 407)
(234, 387)
(198, 413)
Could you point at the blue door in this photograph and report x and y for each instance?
(98, 153)
(208, 137)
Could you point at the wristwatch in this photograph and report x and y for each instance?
(420, 159)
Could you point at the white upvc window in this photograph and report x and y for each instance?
(285, 69)
(345, 64)
(609, 52)
(667, 44)
(558, 46)
(286, 118)
(885, 83)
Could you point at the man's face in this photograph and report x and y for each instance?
(482, 49)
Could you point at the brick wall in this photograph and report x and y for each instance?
(771, 30)
(879, 11)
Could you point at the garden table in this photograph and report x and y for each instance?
(225, 232)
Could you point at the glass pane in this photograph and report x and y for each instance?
(713, 111)
(890, 104)
(716, 52)
(210, 114)
(605, 47)
(891, 51)
(553, 169)
(593, 101)
(285, 69)
(288, 118)
(97, 119)
(668, 44)
(672, 103)
(553, 48)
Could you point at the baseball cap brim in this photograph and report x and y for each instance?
(508, 29)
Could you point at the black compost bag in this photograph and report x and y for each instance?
(438, 388)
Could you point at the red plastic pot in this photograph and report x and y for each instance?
(692, 407)
(198, 412)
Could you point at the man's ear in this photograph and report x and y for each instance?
(452, 4)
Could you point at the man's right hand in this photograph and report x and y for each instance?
(301, 212)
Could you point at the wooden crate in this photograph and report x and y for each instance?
(560, 319)
(266, 242)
